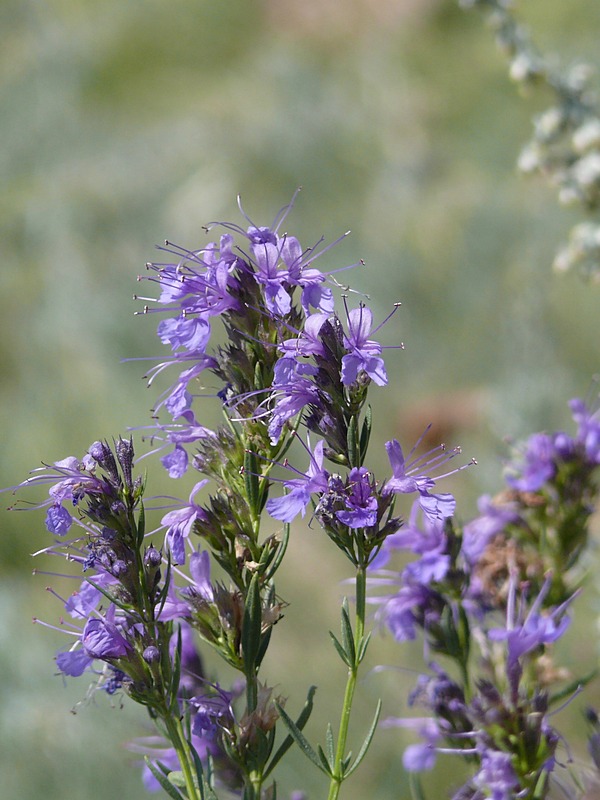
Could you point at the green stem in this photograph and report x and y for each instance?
(186, 760)
(338, 776)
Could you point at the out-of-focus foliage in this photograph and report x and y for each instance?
(125, 123)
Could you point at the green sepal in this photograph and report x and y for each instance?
(258, 754)
(302, 741)
(300, 723)
(251, 482)
(365, 433)
(161, 777)
(251, 626)
(347, 635)
(367, 742)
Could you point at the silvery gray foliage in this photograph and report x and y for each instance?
(565, 145)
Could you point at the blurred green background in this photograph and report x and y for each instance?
(123, 124)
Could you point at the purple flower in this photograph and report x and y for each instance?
(212, 711)
(179, 524)
(301, 489)
(274, 280)
(200, 572)
(407, 478)
(102, 638)
(58, 520)
(588, 429)
(291, 398)
(82, 602)
(422, 756)
(360, 501)
(539, 464)
(414, 605)
(497, 777)
(308, 342)
(364, 355)
(424, 536)
(526, 633)
(72, 480)
(480, 531)
(189, 333)
(73, 662)
(178, 434)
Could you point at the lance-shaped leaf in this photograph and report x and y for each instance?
(204, 776)
(289, 740)
(362, 647)
(141, 525)
(341, 652)
(176, 675)
(302, 742)
(251, 626)
(367, 742)
(347, 634)
(161, 777)
(365, 433)
(251, 482)
(352, 443)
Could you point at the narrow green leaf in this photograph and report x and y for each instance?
(300, 723)
(365, 433)
(164, 592)
(572, 687)
(280, 552)
(302, 741)
(324, 760)
(204, 776)
(341, 652)
(251, 481)
(352, 443)
(163, 780)
(416, 789)
(141, 525)
(362, 647)
(176, 674)
(330, 744)
(367, 742)
(251, 625)
(347, 634)
(264, 644)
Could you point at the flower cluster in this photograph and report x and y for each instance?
(287, 359)
(503, 728)
(293, 369)
(530, 536)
